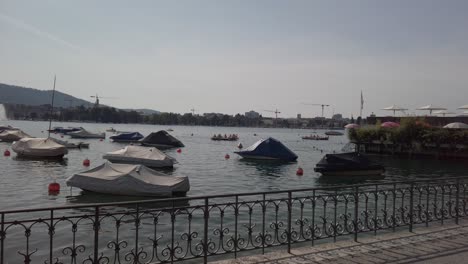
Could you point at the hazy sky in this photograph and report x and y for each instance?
(238, 55)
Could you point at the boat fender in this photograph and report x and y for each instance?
(54, 188)
(300, 172)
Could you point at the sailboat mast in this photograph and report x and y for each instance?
(51, 108)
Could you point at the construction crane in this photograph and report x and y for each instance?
(96, 104)
(276, 114)
(322, 105)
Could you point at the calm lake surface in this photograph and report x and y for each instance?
(24, 182)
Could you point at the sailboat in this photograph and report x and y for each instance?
(40, 148)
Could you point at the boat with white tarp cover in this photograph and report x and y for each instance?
(148, 156)
(83, 133)
(124, 179)
(12, 135)
(42, 148)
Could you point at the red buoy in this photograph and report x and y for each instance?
(227, 156)
(54, 188)
(86, 162)
(300, 171)
(61, 136)
(101, 139)
(179, 151)
(6, 153)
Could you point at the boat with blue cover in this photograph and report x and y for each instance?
(127, 137)
(268, 149)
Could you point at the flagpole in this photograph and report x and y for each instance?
(362, 105)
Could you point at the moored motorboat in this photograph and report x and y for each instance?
(348, 164)
(127, 137)
(231, 137)
(268, 149)
(40, 148)
(148, 156)
(334, 133)
(71, 145)
(12, 135)
(63, 130)
(83, 133)
(124, 179)
(161, 140)
(315, 137)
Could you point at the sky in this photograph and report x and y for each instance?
(240, 55)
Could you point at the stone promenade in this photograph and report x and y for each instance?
(436, 244)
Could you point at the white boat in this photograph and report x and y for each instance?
(12, 135)
(44, 148)
(123, 179)
(148, 156)
(83, 133)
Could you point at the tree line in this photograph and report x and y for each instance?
(105, 114)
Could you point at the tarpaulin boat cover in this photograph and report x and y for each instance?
(12, 135)
(161, 138)
(83, 133)
(123, 179)
(148, 156)
(352, 158)
(39, 147)
(268, 148)
(2, 128)
(127, 136)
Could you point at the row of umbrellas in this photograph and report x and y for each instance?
(456, 125)
(438, 110)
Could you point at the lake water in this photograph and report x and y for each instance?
(24, 183)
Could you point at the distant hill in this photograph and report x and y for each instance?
(11, 94)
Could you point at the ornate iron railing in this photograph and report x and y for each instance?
(195, 228)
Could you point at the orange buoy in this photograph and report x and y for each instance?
(227, 156)
(86, 162)
(300, 171)
(6, 153)
(54, 188)
(179, 151)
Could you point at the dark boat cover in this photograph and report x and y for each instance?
(127, 136)
(161, 138)
(345, 161)
(270, 148)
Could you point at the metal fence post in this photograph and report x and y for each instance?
(205, 233)
(356, 212)
(2, 237)
(411, 207)
(289, 220)
(96, 234)
(457, 202)
(51, 236)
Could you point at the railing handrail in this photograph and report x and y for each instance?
(147, 201)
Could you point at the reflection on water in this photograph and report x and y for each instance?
(349, 180)
(86, 197)
(267, 167)
(42, 161)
